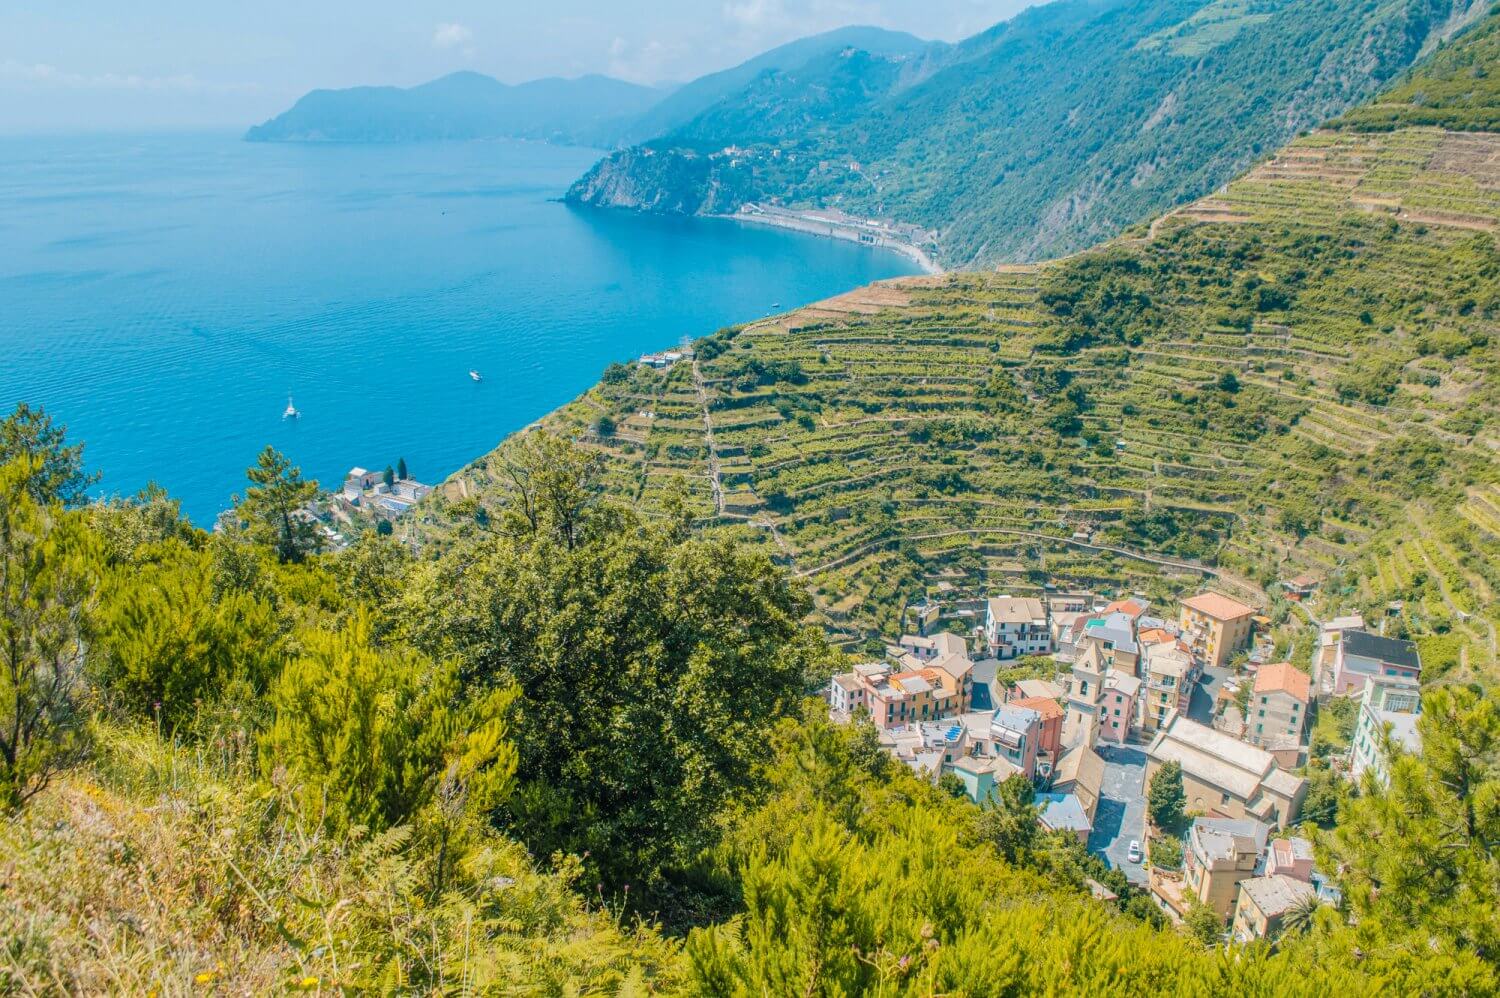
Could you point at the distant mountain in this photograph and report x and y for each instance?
(694, 98)
(586, 110)
(590, 110)
(1041, 135)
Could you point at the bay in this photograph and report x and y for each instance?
(163, 295)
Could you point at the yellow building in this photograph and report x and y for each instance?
(1215, 626)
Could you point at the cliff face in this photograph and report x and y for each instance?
(669, 181)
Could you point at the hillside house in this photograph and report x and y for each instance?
(1117, 706)
(1215, 627)
(1329, 636)
(1220, 853)
(1389, 706)
(1114, 636)
(1049, 732)
(1264, 903)
(1080, 772)
(1360, 655)
(1170, 672)
(1058, 812)
(1016, 626)
(980, 775)
(1277, 714)
(1226, 778)
(1290, 857)
(1015, 734)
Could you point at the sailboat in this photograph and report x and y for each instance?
(290, 412)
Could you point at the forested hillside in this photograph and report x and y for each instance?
(562, 748)
(1043, 135)
(565, 757)
(1296, 374)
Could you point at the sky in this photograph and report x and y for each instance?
(87, 65)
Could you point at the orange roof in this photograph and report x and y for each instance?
(1129, 607)
(1154, 636)
(1283, 677)
(1218, 606)
(1042, 705)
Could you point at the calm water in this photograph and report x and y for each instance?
(163, 295)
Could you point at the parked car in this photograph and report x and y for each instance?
(1134, 852)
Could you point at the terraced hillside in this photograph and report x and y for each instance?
(1300, 373)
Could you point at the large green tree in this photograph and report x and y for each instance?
(1165, 799)
(48, 580)
(649, 665)
(1418, 859)
(273, 508)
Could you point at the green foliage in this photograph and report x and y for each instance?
(1327, 792)
(1166, 853)
(368, 734)
(649, 665)
(1204, 924)
(1009, 822)
(1456, 89)
(58, 474)
(1165, 798)
(272, 508)
(167, 639)
(1416, 859)
(48, 585)
(165, 868)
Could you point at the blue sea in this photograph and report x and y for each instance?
(164, 295)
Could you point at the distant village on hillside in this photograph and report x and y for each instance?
(1087, 701)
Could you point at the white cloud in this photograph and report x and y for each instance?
(451, 36)
(647, 62)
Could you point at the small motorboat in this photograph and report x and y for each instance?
(290, 412)
(474, 375)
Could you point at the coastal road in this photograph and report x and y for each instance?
(1121, 814)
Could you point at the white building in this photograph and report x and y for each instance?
(1389, 704)
(1015, 626)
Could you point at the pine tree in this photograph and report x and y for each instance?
(388, 476)
(58, 468)
(48, 580)
(401, 469)
(272, 508)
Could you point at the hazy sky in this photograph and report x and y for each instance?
(77, 65)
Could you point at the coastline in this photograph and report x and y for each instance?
(826, 225)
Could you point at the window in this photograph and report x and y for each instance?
(1224, 799)
(1263, 699)
(1259, 728)
(1261, 714)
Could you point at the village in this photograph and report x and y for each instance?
(1099, 706)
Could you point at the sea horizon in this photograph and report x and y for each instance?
(171, 288)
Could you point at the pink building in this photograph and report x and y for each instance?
(1117, 706)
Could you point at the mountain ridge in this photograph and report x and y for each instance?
(1022, 145)
(592, 109)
